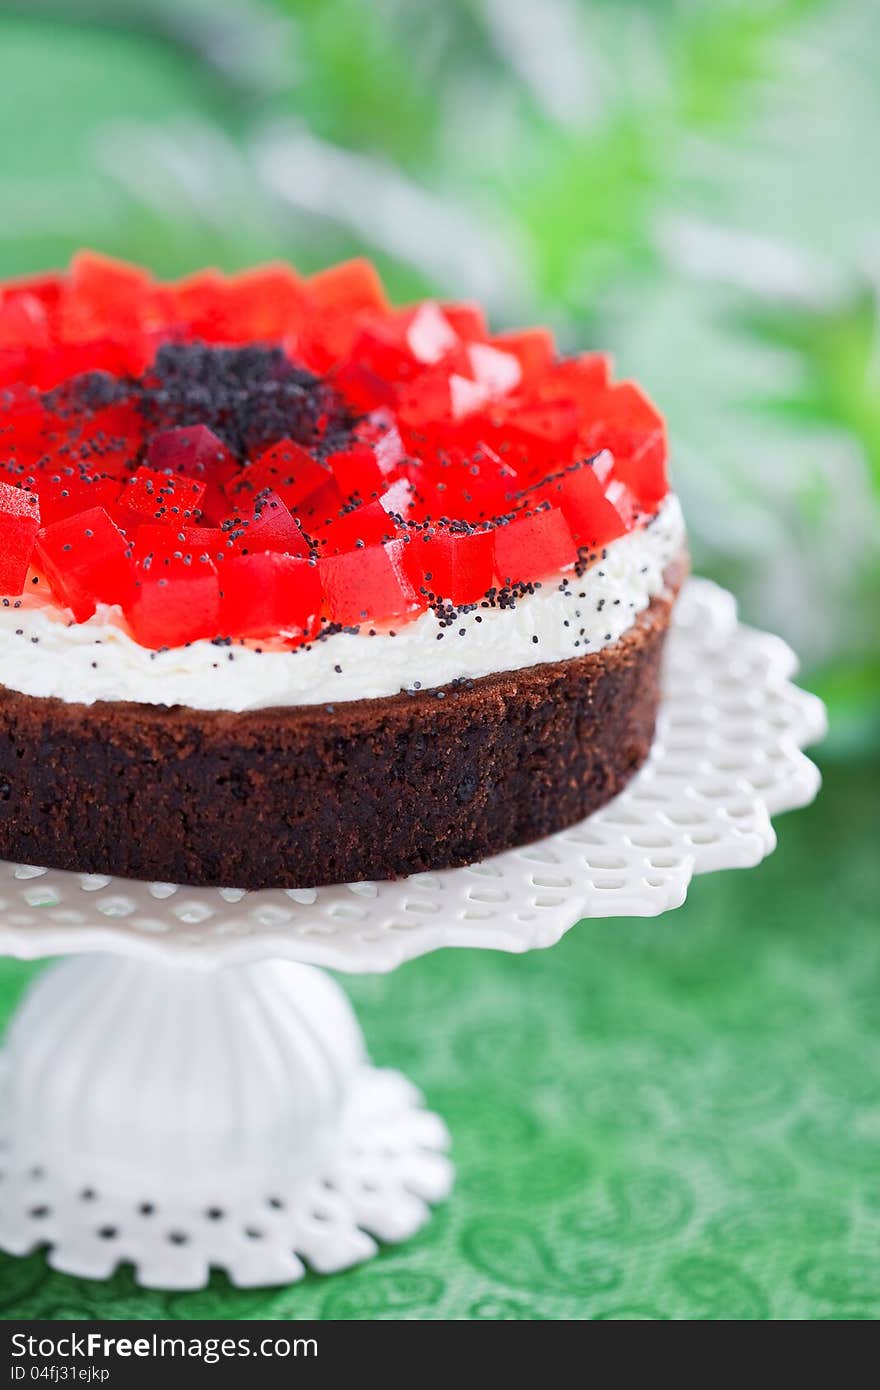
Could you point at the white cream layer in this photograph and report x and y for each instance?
(42, 652)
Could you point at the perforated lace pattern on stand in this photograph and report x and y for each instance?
(379, 1187)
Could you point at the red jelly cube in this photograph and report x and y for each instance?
(57, 364)
(624, 502)
(361, 387)
(579, 493)
(540, 437)
(320, 509)
(16, 366)
(19, 524)
(105, 294)
(366, 585)
(23, 323)
(108, 440)
(204, 540)
(628, 424)
(388, 351)
(270, 593)
(30, 430)
(357, 472)
(269, 527)
(196, 452)
(534, 349)
(106, 282)
(164, 497)
(47, 288)
(468, 321)
(350, 530)
(87, 560)
(265, 304)
(199, 303)
(574, 378)
(532, 546)
(470, 487)
(439, 410)
(531, 439)
(342, 298)
(160, 541)
(351, 287)
(176, 599)
(65, 491)
(287, 469)
(426, 402)
(451, 563)
(382, 349)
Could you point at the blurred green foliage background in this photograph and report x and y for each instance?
(693, 184)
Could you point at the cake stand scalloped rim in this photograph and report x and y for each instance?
(727, 756)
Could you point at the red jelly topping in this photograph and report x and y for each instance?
(268, 526)
(196, 452)
(267, 456)
(164, 497)
(175, 599)
(20, 520)
(87, 560)
(270, 592)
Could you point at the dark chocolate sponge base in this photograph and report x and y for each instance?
(294, 797)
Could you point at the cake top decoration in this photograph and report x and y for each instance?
(271, 456)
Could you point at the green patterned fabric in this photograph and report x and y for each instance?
(656, 1119)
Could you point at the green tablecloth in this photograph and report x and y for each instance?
(656, 1119)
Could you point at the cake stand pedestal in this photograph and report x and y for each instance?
(188, 1091)
(183, 1119)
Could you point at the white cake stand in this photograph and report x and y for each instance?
(159, 1109)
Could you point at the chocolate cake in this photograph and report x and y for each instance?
(303, 588)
